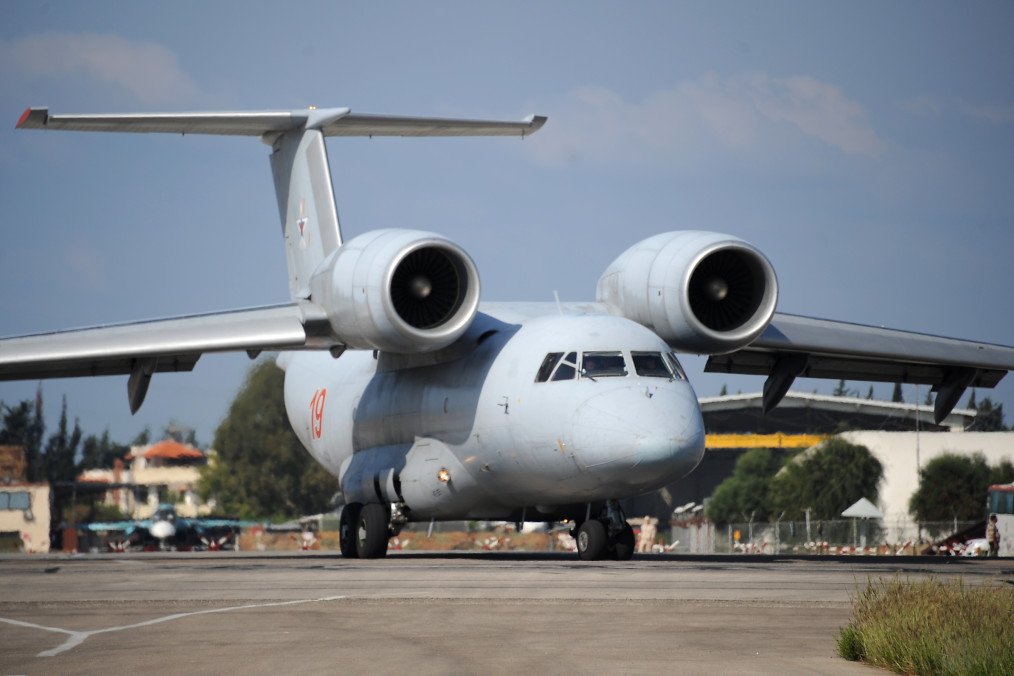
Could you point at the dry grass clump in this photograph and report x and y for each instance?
(932, 627)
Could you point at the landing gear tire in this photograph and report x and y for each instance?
(591, 540)
(623, 545)
(347, 527)
(372, 532)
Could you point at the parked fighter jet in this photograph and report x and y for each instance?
(165, 531)
(427, 405)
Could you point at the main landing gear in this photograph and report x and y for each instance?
(606, 536)
(364, 531)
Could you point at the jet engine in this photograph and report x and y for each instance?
(402, 291)
(701, 292)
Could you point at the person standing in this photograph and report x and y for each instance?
(993, 536)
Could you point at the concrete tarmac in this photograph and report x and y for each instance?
(440, 614)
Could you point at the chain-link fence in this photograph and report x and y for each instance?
(867, 536)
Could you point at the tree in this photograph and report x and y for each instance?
(143, 437)
(260, 469)
(101, 452)
(827, 479)
(23, 426)
(896, 395)
(988, 417)
(841, 390)
(953, 486)
(180, 434)
(61, 450)
(1002, 473)
(746, 491)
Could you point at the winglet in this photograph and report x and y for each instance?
(535, 123)
(33, 118)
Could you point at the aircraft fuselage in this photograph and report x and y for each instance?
(509, 418)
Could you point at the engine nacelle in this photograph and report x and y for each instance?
(398, 291)
(701, 292)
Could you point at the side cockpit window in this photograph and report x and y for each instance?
(677, 368)
(547, 366)
(651, 365)
(568, 369)
(602, 364)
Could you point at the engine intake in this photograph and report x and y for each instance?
(428, 287)
(701, 292)
(404, 291)
(726, 289)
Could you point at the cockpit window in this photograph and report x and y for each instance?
(651, 365)
(547, 366)
(676, 366)
(568, 369)
(602, 364)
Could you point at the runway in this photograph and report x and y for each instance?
(319, 613)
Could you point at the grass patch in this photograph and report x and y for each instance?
(932, 627)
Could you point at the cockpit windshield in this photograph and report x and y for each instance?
(602, 364)
(558, 366)
(650, 364)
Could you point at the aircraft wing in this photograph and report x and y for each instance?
(794, 346)
(143, 348)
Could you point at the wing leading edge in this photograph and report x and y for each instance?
(794, 346)
(141, 349)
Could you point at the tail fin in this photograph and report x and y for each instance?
(306, 203)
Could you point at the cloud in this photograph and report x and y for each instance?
(818, 109)
(997, 114)
(147, 70)
(994, 113)
(739, 114)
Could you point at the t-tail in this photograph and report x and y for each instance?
(299, 163)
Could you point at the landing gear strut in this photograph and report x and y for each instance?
(607, 536)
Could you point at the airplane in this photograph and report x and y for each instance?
(165, 531)
(429, 405)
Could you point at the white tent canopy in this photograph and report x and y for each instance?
(863, 509)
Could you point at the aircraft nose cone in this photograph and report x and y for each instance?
(162, 530)
(639, 438)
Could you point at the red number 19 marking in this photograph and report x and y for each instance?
(317, 412)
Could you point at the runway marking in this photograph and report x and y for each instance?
(76, 638)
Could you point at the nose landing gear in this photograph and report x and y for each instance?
(606, 536)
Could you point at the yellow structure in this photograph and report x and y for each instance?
(777, 440)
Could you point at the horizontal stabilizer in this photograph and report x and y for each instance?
(330, 121)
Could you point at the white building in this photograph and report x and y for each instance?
(903, 453)
(166, 471)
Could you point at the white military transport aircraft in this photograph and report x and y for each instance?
(428, 405)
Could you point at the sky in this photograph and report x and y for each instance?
(866, 148)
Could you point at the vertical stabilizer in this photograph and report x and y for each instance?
(306, 204)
